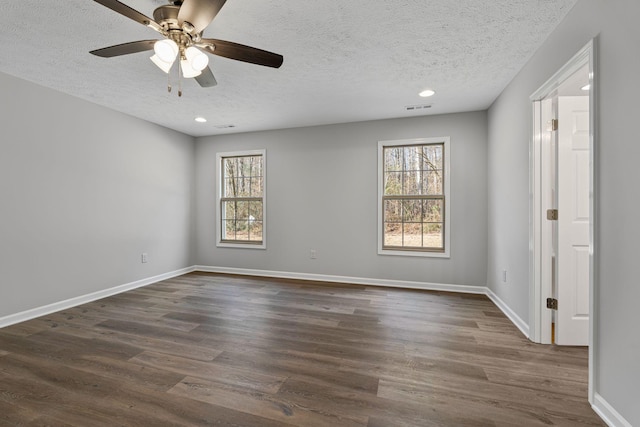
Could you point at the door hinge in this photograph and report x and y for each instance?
(553, 125)
(552, 303)
(552, 214)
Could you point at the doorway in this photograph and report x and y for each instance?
(562, 200)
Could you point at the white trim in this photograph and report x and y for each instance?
(515, 319)
(346, 279)
(447, 196)
(594, 228)
(578, 60)
(83, 299)
(608, 414)
(587, 55)
(220, 181)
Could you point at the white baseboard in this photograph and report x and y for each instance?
(83, 299)
(515, 319)
(345, 279)
(608, 414)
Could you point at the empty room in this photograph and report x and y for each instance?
(296, 213)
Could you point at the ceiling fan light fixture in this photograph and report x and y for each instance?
(166, 49)
(187, 70)
(164, 66)
(196, 58)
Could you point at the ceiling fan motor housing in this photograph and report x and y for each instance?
(167, 17)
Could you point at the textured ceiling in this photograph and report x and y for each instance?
(344, 61)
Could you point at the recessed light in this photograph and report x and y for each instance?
(427, 93)
(586, 87)
(201, 120)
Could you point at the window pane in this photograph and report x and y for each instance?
(392, 211)
(411, 211)
(255, 211)
(228, 210)
(432, 157)
(412, 183)
(433, 237)
(393, 159)
(393, 183)
(412, 235)
(255, 231)
(256, 186)
(393, 234)
(433, 183)
(432, 211)
(229, 230)
(242, 187)
(244, 166)
(242, 230)
(230, 167)
(230, 186)
(256, 166)
(242, 210)
(412, 158)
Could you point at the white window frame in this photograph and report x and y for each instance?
(219, 190)
(447, 197)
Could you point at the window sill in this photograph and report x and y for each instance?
(241, 245)
(424, 254)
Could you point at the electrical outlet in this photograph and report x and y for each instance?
(313, 254)
(504, 276)
(144, 258)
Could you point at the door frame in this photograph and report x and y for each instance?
(539, 316)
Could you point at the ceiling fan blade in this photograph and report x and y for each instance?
(241, 52)
(206, 79)
(124, 48)
(130, 13)
(199, 13)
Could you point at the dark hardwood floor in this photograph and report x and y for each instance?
(206, 349)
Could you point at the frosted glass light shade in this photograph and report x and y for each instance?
(166, 49)
(187, 70)
(196, 58)
(164, 66)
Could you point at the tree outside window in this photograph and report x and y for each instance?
(241, 201)
(413, 197)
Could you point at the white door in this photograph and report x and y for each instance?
(572, 319)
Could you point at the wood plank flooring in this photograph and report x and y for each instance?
(207, 349)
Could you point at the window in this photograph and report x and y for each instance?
(241, 203)
(413, 197)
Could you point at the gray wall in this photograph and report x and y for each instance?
(618, 346)
(83, 192)
(321, 194)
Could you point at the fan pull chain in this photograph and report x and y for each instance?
(169, 81)
(179, 80)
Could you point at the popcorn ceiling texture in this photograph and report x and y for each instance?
(344, 61)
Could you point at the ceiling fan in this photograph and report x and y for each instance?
(182, 22)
